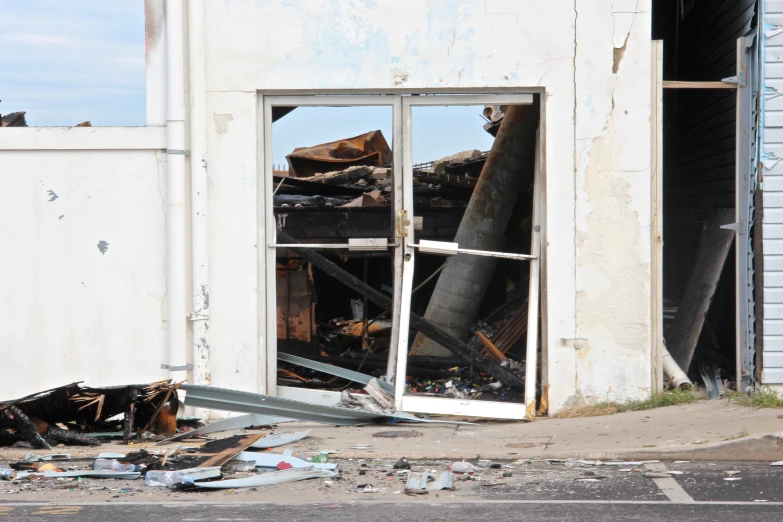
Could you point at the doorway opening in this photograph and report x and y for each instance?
(372, 220)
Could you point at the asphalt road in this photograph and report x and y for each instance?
(543, 491)
(492, 511)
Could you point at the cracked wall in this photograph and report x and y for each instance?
(612, 221)
(592, 57)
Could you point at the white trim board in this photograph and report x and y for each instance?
(83, 138)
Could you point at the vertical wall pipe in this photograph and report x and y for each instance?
(198, 185)
(461, 286)
(175, 189)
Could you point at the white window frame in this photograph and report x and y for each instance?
(438, 405)
(403, 254)
(268, 365)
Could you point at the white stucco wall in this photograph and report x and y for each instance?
(597, 142)
(73, 309)
(597, 146)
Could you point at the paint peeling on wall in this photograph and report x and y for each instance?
(154, 18)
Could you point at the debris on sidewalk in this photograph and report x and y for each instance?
(462, 467)
(402, 464)
(218, 452)
(271, 460)
(427, 481)
(180, 478)
(232, 423)
(268, 479)
(80, 415)
(274, 440)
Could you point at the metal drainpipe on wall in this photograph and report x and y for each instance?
(175, 193)
(199, 316)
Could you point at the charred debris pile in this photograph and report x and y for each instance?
(334, 305)
(80, 415)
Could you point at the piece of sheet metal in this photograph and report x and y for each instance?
(427, 481)
(231, 400)
(268, 479)
(274, 440)
(271, 460)
(33, 457)
(334, 370)
(232, 423)
(91, 474)
(369, 148)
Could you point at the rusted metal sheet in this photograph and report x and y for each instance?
(295, 303)
(366, 149)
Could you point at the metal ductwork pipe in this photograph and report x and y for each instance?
(464, 280)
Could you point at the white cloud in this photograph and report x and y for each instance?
(36, 40)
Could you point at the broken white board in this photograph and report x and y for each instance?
(271, 460)
(279, 439)
(268, 479)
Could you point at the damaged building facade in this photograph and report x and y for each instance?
(170, 250)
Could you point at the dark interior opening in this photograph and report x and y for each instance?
(699, 42)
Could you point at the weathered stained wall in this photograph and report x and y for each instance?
(612, 350)
(590, 57)
(596, 159)
(83, 297)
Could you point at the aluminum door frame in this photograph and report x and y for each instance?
(267, 299)
(444, 406)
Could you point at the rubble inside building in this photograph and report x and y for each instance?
(344, 191)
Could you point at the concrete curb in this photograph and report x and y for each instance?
(760, 448)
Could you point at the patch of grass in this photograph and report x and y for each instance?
(744, 433)
(657, 400)
(764, 397)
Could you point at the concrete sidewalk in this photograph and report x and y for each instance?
(703, 430)
(700, 430)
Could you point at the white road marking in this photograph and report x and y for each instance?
(668, 485)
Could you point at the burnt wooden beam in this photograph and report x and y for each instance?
(417, 322)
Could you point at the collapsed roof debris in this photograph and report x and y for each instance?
(366, 149)
(14, 119)
(76, 414)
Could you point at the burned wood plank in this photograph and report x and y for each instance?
(417, 322)
(689, 320)
(489, 347)
(512, 331)
(127, 432)
(218, 452)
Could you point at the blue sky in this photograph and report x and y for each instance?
(437, 131)
(69, 61)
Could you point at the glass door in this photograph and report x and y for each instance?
(332, 184)
(471, 223)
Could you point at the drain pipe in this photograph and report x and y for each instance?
(672, 371)
(198, 187)
(461, 286)
(175, 192)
